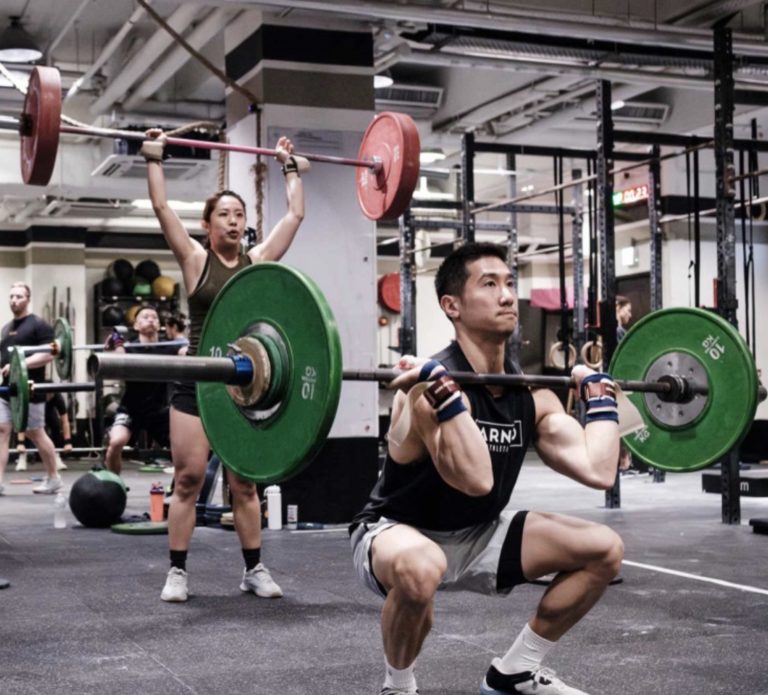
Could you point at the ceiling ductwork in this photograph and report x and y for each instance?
(416, 101)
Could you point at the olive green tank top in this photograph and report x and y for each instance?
(214, 277)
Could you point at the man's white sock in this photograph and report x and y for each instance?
(402, 679)
(526, 653)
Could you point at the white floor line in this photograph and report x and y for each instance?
(698, 577)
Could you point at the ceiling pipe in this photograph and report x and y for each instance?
(531, 97)
(135, 68)
(454, 60)
(533, 131)
(502, 18)
(179, 56)
(67, 26)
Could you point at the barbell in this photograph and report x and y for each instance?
(387, 162)
(62, 347)
(20, 389)
(269, 378)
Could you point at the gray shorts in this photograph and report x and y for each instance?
(35, 415)
(484, 558)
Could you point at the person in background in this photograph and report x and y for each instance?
(623, 317)
(144, 405)
(176, 329)
(27, 328)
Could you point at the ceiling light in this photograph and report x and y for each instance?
(382, 80)
(181, 206)
(17, 46)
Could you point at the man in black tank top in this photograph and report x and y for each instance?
(437, 518)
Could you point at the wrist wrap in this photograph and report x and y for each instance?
(598, 391)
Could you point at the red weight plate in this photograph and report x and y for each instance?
(389, 292)
(392, 139)
(40, 126)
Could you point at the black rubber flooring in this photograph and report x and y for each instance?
(83, 613)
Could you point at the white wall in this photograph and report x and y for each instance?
(335, 245)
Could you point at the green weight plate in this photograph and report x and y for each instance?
(19, 400)
(272, 444)
(702, 346)
(62, 333)
(141, 528)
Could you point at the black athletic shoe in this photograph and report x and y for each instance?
(538, 682)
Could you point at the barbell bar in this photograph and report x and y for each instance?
(268, 408)
(20, 389)
(239, 370)
(387, 161)
(61, 347)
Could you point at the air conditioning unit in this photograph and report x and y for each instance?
(129, 166)
(86, 207)
(417, 101)
(637, 113)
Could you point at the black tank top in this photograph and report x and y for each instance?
(415, 493)
(214, 277)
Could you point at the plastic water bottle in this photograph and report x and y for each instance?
(60, 511)
(156, 500)
(274, 507)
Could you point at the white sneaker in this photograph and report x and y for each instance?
(60, 465)
(21, 463)
(260, 582)
(49, 486)
(538, 682)
(175, 588)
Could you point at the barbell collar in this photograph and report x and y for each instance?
(236, 370)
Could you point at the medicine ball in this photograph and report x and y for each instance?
(98, 499)
(148, 269)
(111, 315)
(120, 268)
(142, 288)
(163, 286)
(112, 287)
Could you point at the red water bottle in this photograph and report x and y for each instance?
(156, 499)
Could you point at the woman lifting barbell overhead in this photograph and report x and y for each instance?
(205, 270)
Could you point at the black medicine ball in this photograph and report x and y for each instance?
(111, 287)
(121, 268)
(112, 315)
(148, 269)
(98, 499)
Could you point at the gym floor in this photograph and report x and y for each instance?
(83, 613)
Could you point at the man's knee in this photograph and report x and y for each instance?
(417, 575)
(609, 551)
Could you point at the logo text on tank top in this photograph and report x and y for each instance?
(501, 437)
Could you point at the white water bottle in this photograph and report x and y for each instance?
(60, 511)
(274, 507)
